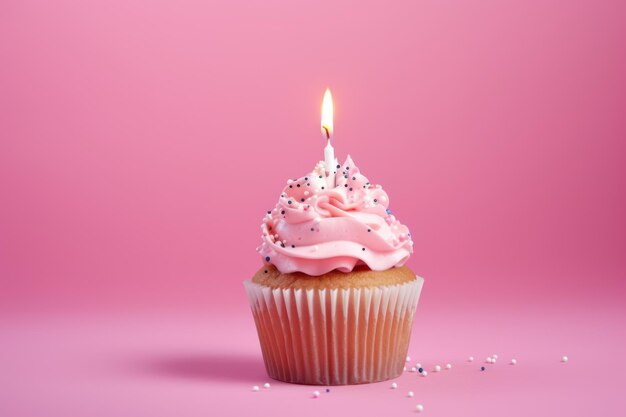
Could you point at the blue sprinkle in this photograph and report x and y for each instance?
(267, 258)
(388, 211)
(421, 370)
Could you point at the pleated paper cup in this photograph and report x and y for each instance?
(334, 336)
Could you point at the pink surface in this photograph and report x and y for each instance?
(141, 144)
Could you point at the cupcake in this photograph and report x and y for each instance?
(333, 303)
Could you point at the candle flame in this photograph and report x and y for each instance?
(327, 115)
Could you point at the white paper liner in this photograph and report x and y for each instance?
(334, 336)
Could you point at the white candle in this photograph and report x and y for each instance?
(327, 133)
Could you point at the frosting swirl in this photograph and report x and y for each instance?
(315, 229)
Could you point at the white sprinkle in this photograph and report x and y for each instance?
(564, 359)
(513, 361)
(448, 366)
(424, 373)
(437, 368)
(470, 359)
(419, 408)
(404, 369)
(494, 356)
(266, 385)
(489, 360)
(394, 385)
(316, 394)
(255, 388)
(493, 360)
(408, 359)
(413, 369)
(410, 394)
(418, 365)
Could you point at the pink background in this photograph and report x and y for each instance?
(142, 142)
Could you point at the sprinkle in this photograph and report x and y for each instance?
(394, 385)
(494, 356)
(265, 271)
(482, 368)
(255, 388)
(404, 369)
(267, 259)
(448, 366)
(293, 246)
(388, 211)
(347, 167)
(437, 368)
(282, 212)
(513, 361)
(354, 178)
(298, 185)
(350, 188)
(291, 186)
(369, 230)
(327, 389)
(316, 394)
(470, 359)
(375, 201)
(266, 385)
(302, 199)
(312, 229)
(424, 373)
(564, 359)
(410, 394)
(289, 202)
(408, 358)
(320, 176)
(338, 166)
(269, 212)
(345, 185)
(306, 178)
(419, 408)
(362, 249)
(420, 369)
(322, 187)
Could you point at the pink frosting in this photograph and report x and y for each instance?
(315, 228)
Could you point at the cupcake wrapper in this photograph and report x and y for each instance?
(334, 336)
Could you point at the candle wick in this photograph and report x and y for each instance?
(327, 132)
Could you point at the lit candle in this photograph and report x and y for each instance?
(327, 132)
